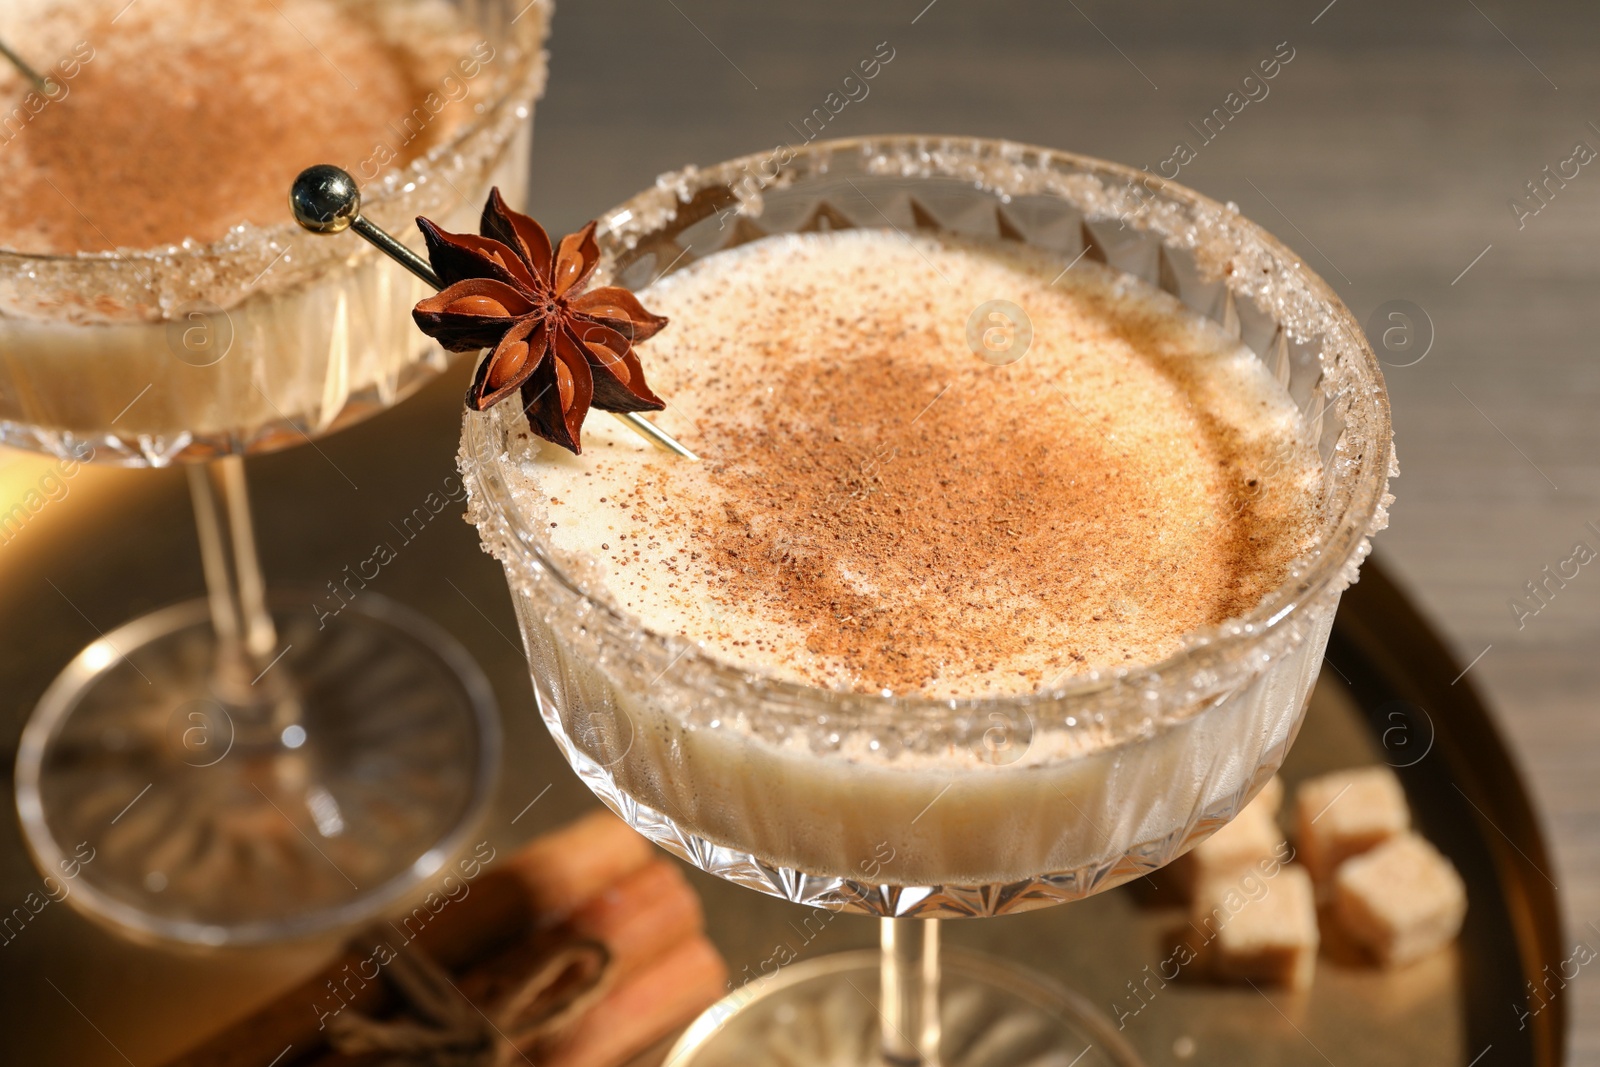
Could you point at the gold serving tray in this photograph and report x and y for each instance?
(121, 542)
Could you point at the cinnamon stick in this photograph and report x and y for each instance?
(645, 921)
(643, 1010)
(639, 920)
(468, 914)
(642, 916)
(562, 869)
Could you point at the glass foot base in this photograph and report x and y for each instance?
(824, 1012)
(173, 807)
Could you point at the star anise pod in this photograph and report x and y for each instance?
(566, 350)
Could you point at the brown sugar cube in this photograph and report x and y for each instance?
(1343, 814)
(1253, 836)
(1400, 901)
(1259, 928)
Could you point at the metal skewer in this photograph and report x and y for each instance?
(327, 200)
(39, 81)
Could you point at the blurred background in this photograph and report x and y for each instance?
(1394, 151)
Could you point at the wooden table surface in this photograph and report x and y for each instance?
(1387, 151)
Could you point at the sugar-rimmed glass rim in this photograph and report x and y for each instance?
(1214, 659)
(392, 196)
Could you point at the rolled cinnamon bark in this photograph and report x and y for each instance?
(539, 885)
(642, 916)
(643, 1009)
(639, 920)
(648, 922)
(472, 912)
(567, 867)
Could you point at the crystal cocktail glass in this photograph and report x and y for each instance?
(916, 810)
(258, 764)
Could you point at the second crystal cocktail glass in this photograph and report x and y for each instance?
(914, 809)
(257, 765)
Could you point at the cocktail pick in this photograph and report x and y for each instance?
(38, 80)
(327, 200)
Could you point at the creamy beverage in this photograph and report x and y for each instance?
(182, 119)
(882, 509)
(155, 169)
(890, 500)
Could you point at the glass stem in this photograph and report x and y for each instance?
(909, 978)
(246, 638)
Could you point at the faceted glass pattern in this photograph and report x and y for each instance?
(1157, 756)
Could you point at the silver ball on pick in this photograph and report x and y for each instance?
(325, 199)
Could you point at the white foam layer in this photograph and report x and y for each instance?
(881, 508)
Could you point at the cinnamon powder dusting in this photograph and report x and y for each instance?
(880, 509)
(176, 119)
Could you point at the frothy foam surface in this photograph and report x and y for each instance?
(879, 508)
